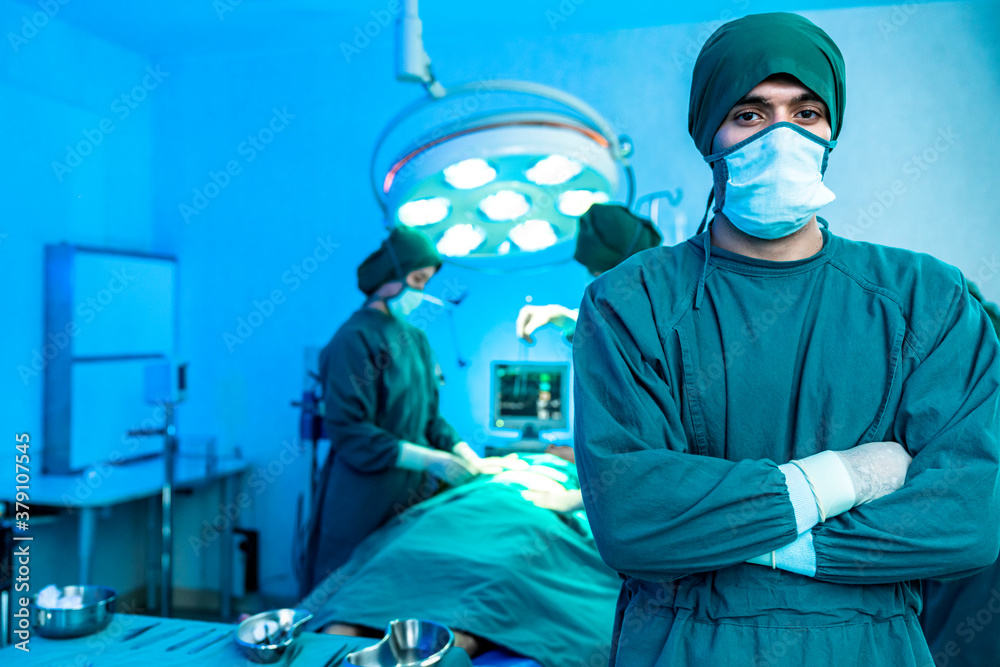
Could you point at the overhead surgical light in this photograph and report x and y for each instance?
(553, 170)
(504, 205)
(460, 240)
(576, 202)
(419, 212)
(532, 235)
(500, 180)
(469, 174)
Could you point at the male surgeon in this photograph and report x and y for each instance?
(607, 235)
(780, 430)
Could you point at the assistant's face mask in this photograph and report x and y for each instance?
(771, 184)
(405, 302)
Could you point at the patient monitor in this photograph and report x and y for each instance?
(530, 397)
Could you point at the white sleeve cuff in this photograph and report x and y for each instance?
(798, 557)
(830, 483)
(801, 495)
(763, 559)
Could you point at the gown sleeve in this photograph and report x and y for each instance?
(351, 400)
(945, 520)
(657, 511)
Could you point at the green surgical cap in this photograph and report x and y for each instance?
(405, 250)
(609, 234)
(744, 52)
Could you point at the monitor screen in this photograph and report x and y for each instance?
(530, 397)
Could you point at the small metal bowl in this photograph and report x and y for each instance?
(93, 615)
(407, 643)
(266, 636)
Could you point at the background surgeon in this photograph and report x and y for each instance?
(608, 234)
(380, 390)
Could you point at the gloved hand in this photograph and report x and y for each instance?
(467, 454)
(494, 465)
(840, 481)
(845, 479)
(876, 469)
(558, 501)
(534, 317)
(443, 465)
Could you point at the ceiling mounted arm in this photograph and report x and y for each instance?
(412, 62)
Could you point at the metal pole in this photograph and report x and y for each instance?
(226, 567)
(166, 567)
(4, 618)
(6, 577)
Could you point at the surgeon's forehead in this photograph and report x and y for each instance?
(779, 88)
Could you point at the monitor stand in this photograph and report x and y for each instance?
(530, 441)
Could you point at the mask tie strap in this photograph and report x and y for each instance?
(704, 270)
(708, 207)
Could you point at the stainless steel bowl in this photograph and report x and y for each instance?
(93, 615)
(407, 643)
(266, 636)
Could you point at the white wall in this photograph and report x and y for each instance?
(58, 86)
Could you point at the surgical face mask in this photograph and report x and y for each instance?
(771, 184)
(405, 302)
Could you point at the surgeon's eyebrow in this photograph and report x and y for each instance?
(763, 101)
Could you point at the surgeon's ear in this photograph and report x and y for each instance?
(389, 290)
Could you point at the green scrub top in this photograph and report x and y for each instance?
(683, 415)
(380, 386)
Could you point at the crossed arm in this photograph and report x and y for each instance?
(659, 513)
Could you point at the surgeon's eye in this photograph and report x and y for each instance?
(746, 116)
(809, 114)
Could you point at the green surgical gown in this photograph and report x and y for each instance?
(961, 617)
(380, 386)
(683, 415)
